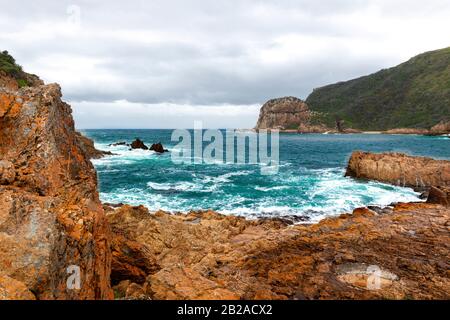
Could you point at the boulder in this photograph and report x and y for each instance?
(138, 144)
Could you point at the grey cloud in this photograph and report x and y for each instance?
(196, 52)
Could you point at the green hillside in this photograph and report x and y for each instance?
(414, 94)
(8, 64)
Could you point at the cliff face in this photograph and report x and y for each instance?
(399, 169)
(283, 113)
(50, 214)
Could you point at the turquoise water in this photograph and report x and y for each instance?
(310, 182)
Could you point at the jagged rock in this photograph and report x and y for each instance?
(51, 217)
(7, 172)
(138, 144)
(158, 147)
(205, 255)
(399, 169)
(87, 145)
(439, 195)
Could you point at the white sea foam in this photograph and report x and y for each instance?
(266, 189)
(320, 192)
(179, 186)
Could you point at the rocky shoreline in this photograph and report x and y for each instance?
(51, 221)
(293, 115)
(211, 256)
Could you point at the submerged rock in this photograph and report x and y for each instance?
(120, 143)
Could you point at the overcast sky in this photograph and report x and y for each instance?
(166, 63)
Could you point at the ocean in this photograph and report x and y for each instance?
(310, 182)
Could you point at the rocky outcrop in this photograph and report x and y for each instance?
(439, 195)
(87, 145)
(51, 219)
(399, 169)
(158, 147)
(442, 127)
(406, 131)
(283, 113)
(205, 255)
(138, 144)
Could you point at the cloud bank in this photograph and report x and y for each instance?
(142, 64)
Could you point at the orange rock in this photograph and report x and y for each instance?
(399, 169)
(11, 289)
(51, 218)
(439, 195)
(205, 255)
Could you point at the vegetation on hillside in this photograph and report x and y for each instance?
(8, 64)
(414, 94)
